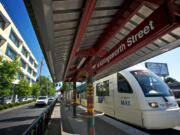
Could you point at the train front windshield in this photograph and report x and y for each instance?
(151, 85)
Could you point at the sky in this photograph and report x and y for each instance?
(172, 58)
(17, 11)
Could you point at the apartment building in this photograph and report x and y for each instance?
(12, 45)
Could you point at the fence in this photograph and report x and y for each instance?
(40, 124)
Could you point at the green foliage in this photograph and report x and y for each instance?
(47, 87)
(8, 72)
(67, 85)
(170, 80)
(23, 88)
(55, 85)
(35, 89)
(6, 106)
(51, 91)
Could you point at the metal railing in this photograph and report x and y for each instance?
(39, 125)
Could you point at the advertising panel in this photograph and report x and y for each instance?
(161, 69)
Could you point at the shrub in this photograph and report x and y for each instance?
(6, 106)
(11, 105)
(1, 107)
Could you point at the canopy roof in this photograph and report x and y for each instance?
(76, 35)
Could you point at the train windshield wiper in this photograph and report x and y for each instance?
(164, 98)
(158, 94)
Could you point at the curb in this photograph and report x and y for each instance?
(13, 108)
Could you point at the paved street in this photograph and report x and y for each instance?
(16, 121)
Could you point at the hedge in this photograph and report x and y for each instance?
(11, 105)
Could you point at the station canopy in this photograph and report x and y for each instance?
(103, 36)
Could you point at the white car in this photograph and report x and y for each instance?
(42, 100)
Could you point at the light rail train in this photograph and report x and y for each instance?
(136, 96)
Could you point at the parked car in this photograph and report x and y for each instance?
(42, 100)
(30, 98)
(7, 100)
(22, 99)
(50, 100)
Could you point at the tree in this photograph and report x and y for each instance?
(51, 91)
(8, 73)
(23, 89)
(47, 87)
(67, 86)
(35, 89)
(170, 80)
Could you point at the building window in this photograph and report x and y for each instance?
(2, 40)
(35, 65)
(2, 22)
(102, 88)
(123, 85)
(22, 76)
(24, 52)
(31, 60)
(29, 70)
(18, 76)
(10, 52)
(14, 38)
(33, 82)
(34, 74)
(23, 63)
(28, 79)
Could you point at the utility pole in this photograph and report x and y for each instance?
(40, 74)
(47, 86)
(40, 71)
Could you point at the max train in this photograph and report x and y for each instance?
(136, 96)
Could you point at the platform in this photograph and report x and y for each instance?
(62, 123)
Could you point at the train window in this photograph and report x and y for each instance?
(152, 85)
(123, 85)
(102, 88)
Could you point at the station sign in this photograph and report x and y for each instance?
(150, 29)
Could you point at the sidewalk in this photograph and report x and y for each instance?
(55, 124)
(54, 127)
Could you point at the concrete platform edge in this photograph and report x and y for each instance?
(124, 127)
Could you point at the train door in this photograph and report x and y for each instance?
(126, 103)
(104, 95)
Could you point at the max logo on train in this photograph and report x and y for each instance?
(125, 102)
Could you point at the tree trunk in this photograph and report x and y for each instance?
(13, 94)
(2, 102)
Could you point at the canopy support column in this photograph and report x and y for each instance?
(90, 105)
(74, 99)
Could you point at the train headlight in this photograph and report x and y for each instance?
(153, 105)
